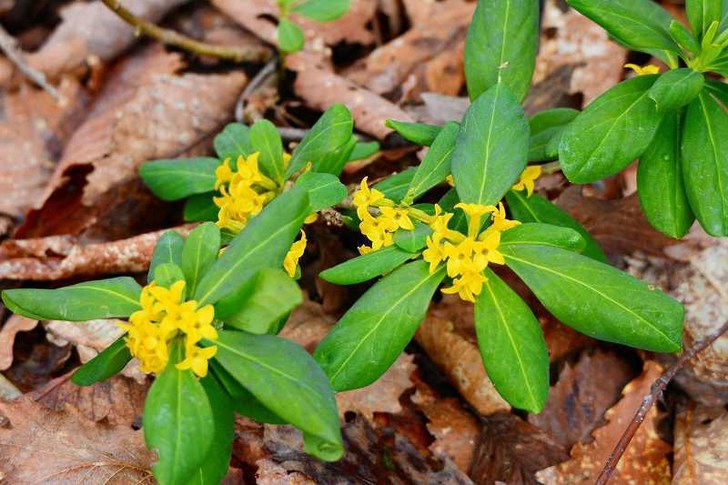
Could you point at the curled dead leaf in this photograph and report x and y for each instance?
(13, 325)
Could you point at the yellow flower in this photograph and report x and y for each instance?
(485, 250)
(643, 70)
(500, 223)
(196, 358)
(397, 217)
(366, 197)
(467, 286)
(474, 212)
(459, 257)
(434, 254)
(311, 218)
(528, 179)
(294, 254)
(379, 230)
(450, 180)
(440, 221)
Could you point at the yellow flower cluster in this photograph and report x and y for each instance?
(244, 192)
(467, 256)
(379, 216)
(528, 179)
(164, 316)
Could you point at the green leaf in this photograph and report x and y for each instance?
(660, 181)
(512, 345)
(243, 401)
(501, 46)
(395, 187)
(704, 158)
(199, 253)
(371, 335)
(436, 164)
(330, 132)
(333, 162)
(233, 142)
(682, 36)
(492, 147)
(364, 268)
(272, 368)
(216, 463)
(702, 13)
(167, 274)
(638, 24)
(364, 150)
(417, 133)
(110, 298)
(177, 179)
(598, 300)
(270, 296)
(611, 132)
(545, 235)
(201, 208)
(324, 190)
(322, 10)
(262, 244)
(267, 142)
(178, 422)
(107, 363)
(413, 241)
(538, 209)
(290, 36)
(167, 250)
(546, 129)
(676, 88)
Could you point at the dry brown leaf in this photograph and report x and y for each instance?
(447, 344)
(584, 391)
(701, 446)
(13, 325)
(92, 30)
(42, 446)
(33, 130)
(511, 451)
(307, 325)
(119, 401)
(570, 39)
(63, 257)
(645, 460)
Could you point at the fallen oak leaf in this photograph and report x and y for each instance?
(42, 446)
(12, 326)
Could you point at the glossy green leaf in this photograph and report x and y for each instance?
(660, 181)
(332, 130)
(598, 300)
(492, 147)
(545, 235)
(110, 298)
(638, 24)
(676, 88)
(265, 140)
(270, 368)
(546, 129)
(262, 244)
(413, 241)
(107, 363)
(178, 422)
(200, 208)
(371, 335)
(538, 209)
(512, 345)
(704, 158)
(167, 274)
(271, 295)
(177, 179)
(364, 150)
(233, 142)
(322, 10)
(199, 253)
(334, 161)
(242, 400)
(366, 267)
(395, 187)
(435, 166)
(167, 250)
(611, 132)
(683, 37)
(324, 190)
(216, 464)
(501, 46)
(702, 13)
(417, 133)
(290, 36)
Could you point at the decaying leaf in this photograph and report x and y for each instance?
(579, 399)
(13, 325)
(701, 446)
(644, 461)
(43, 446)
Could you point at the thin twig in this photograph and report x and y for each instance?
(658, 387)
(170, 37)
(9, 46)
(258, 80)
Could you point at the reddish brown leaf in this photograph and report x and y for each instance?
(701, 454)
(12, 326)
